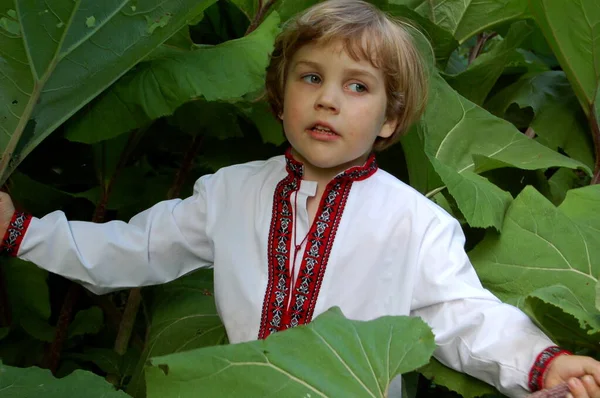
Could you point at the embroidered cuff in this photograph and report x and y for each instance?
(541, 364)
(14, 234)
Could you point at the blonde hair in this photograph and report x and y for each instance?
(368, 33)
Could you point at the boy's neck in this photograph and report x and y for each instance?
(324, 175)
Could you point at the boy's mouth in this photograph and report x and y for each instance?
(323, 129)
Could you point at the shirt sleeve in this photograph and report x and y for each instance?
(156, 246)
(475, 332)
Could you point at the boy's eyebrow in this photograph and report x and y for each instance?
(352, 71)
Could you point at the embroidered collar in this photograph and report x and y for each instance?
(356, 173)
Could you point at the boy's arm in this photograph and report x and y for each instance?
(475, 332)
(158, 245)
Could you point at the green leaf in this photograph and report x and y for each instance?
(564, 298)
(109, 361)
(36, 382)
(89, 321)
(248, 7)
(572, 29)
(442, 41)
(184, 317)
(57, 62)
(156, 88)
(29, 297)
(467, 18)
(561, 323)
(466, 138)
(542, 245)
(558, 120)
(331, 356)
(482, 203)
(467, 386)
(213, 119)
(269, 127)
(477, 81)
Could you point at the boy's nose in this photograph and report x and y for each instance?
(327, 100)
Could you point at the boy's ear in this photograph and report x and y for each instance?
(388, 128)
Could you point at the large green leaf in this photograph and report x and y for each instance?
(466, 18)
(465, 139)
(558, 120)
(541, 246)
(330, 357)
(572, 28)
(477, 81)
(58, 56)
(183, 317)
(156, 88)
(35, 382)
(442, 41)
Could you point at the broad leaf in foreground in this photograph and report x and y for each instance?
(36, 382)
(465, 139)
(572, 30)
(465, 19)
(58, 56)
(183, 317)
(330, 357)
(156, 88)
(541, 246)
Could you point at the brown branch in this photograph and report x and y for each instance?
(135, 295)
(596, 135)
(262, 11)
(52, 357)
(482, 39)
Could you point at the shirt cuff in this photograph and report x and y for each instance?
(14, 234)
(541, 365)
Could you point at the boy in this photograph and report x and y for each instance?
(321, 226)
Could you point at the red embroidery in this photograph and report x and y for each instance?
(541, 364)
(14, 234)
(275, 315)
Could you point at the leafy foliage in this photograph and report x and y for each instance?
(354, 358)
(108, 107)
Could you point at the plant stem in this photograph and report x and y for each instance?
(596, 135)
(482, 38)
(135, 295)
(530, 133)
(260, 14)
(52, 357)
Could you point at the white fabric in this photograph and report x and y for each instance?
(395, 253)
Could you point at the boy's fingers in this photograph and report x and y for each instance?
(577, 388)
(592, 388)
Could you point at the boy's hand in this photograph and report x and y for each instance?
(7, 210)
(581, 373)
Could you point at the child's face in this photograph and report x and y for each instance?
(327, 89)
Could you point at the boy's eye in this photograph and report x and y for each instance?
(357, 87)
(313, 79)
